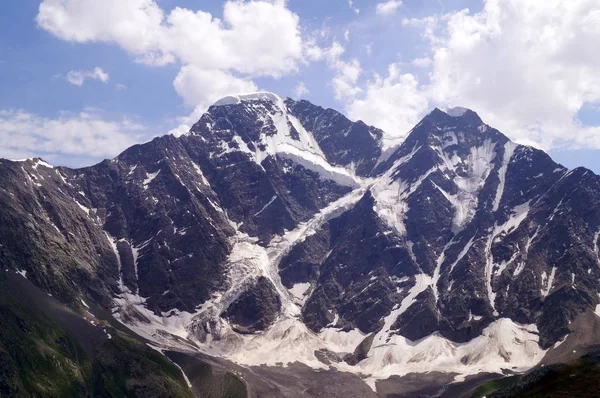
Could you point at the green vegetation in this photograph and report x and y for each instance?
(580, 378)
(38, 358)
(207, 382)
(494, 385)
(223, 386)
(125, 367)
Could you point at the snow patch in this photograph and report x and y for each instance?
(149, 178)
(463, 253)
(547, 281)
(596, 249)
(113, 244)
(201, 174)
(340, 341)
(132, 169)
(130, 309)
(265, 206)
(558, 343)
(521, 265)
(391, 195)
(509, 150)
(302, 148)
(85, 209)
(456, 111)
(518, 215)
(258, 96)
(299, 291)
(502, 345)
(136, 255)
(422, 282)
(478, 165)
(40, 162)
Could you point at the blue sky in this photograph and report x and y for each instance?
(84, 79)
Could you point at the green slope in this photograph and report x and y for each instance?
(40, 358)
(579, 378)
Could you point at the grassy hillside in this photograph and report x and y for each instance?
(579, 378)
(40, 358)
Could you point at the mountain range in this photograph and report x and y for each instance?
(277, 237)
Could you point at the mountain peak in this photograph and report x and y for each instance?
(456, 111)
(455, 116)
(257, 96)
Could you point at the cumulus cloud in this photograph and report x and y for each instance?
(179, 131)
(253, 39)
(86, 134)
(388, 7)
(422, 62)
(300, 90)
(200, 87)
(78, 77)
(526, 67)
(344, 82)
(394, 103)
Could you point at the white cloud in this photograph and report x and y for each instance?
(422, 62)
(347, 35)
(526, 67)
(351, 5)
(389, 7)
(78, 77)
(85, 134)
(346, 76)
(300, 90)
(258, 38)
(179, 131)
(393, 103)
(253, 39)
(120, 87)
(199, 87)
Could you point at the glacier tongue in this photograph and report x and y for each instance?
(478, 165)
(502, 345)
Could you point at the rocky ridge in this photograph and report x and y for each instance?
(277, 231)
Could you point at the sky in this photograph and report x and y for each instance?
(83, 80)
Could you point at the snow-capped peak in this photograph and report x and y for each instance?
(236, 99)
(36, 162)
(456, 111)
(277, 133)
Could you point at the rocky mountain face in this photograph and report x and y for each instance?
(277, 231)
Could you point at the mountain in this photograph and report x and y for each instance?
(276, 232)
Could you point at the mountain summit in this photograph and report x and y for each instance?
(277, 231)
